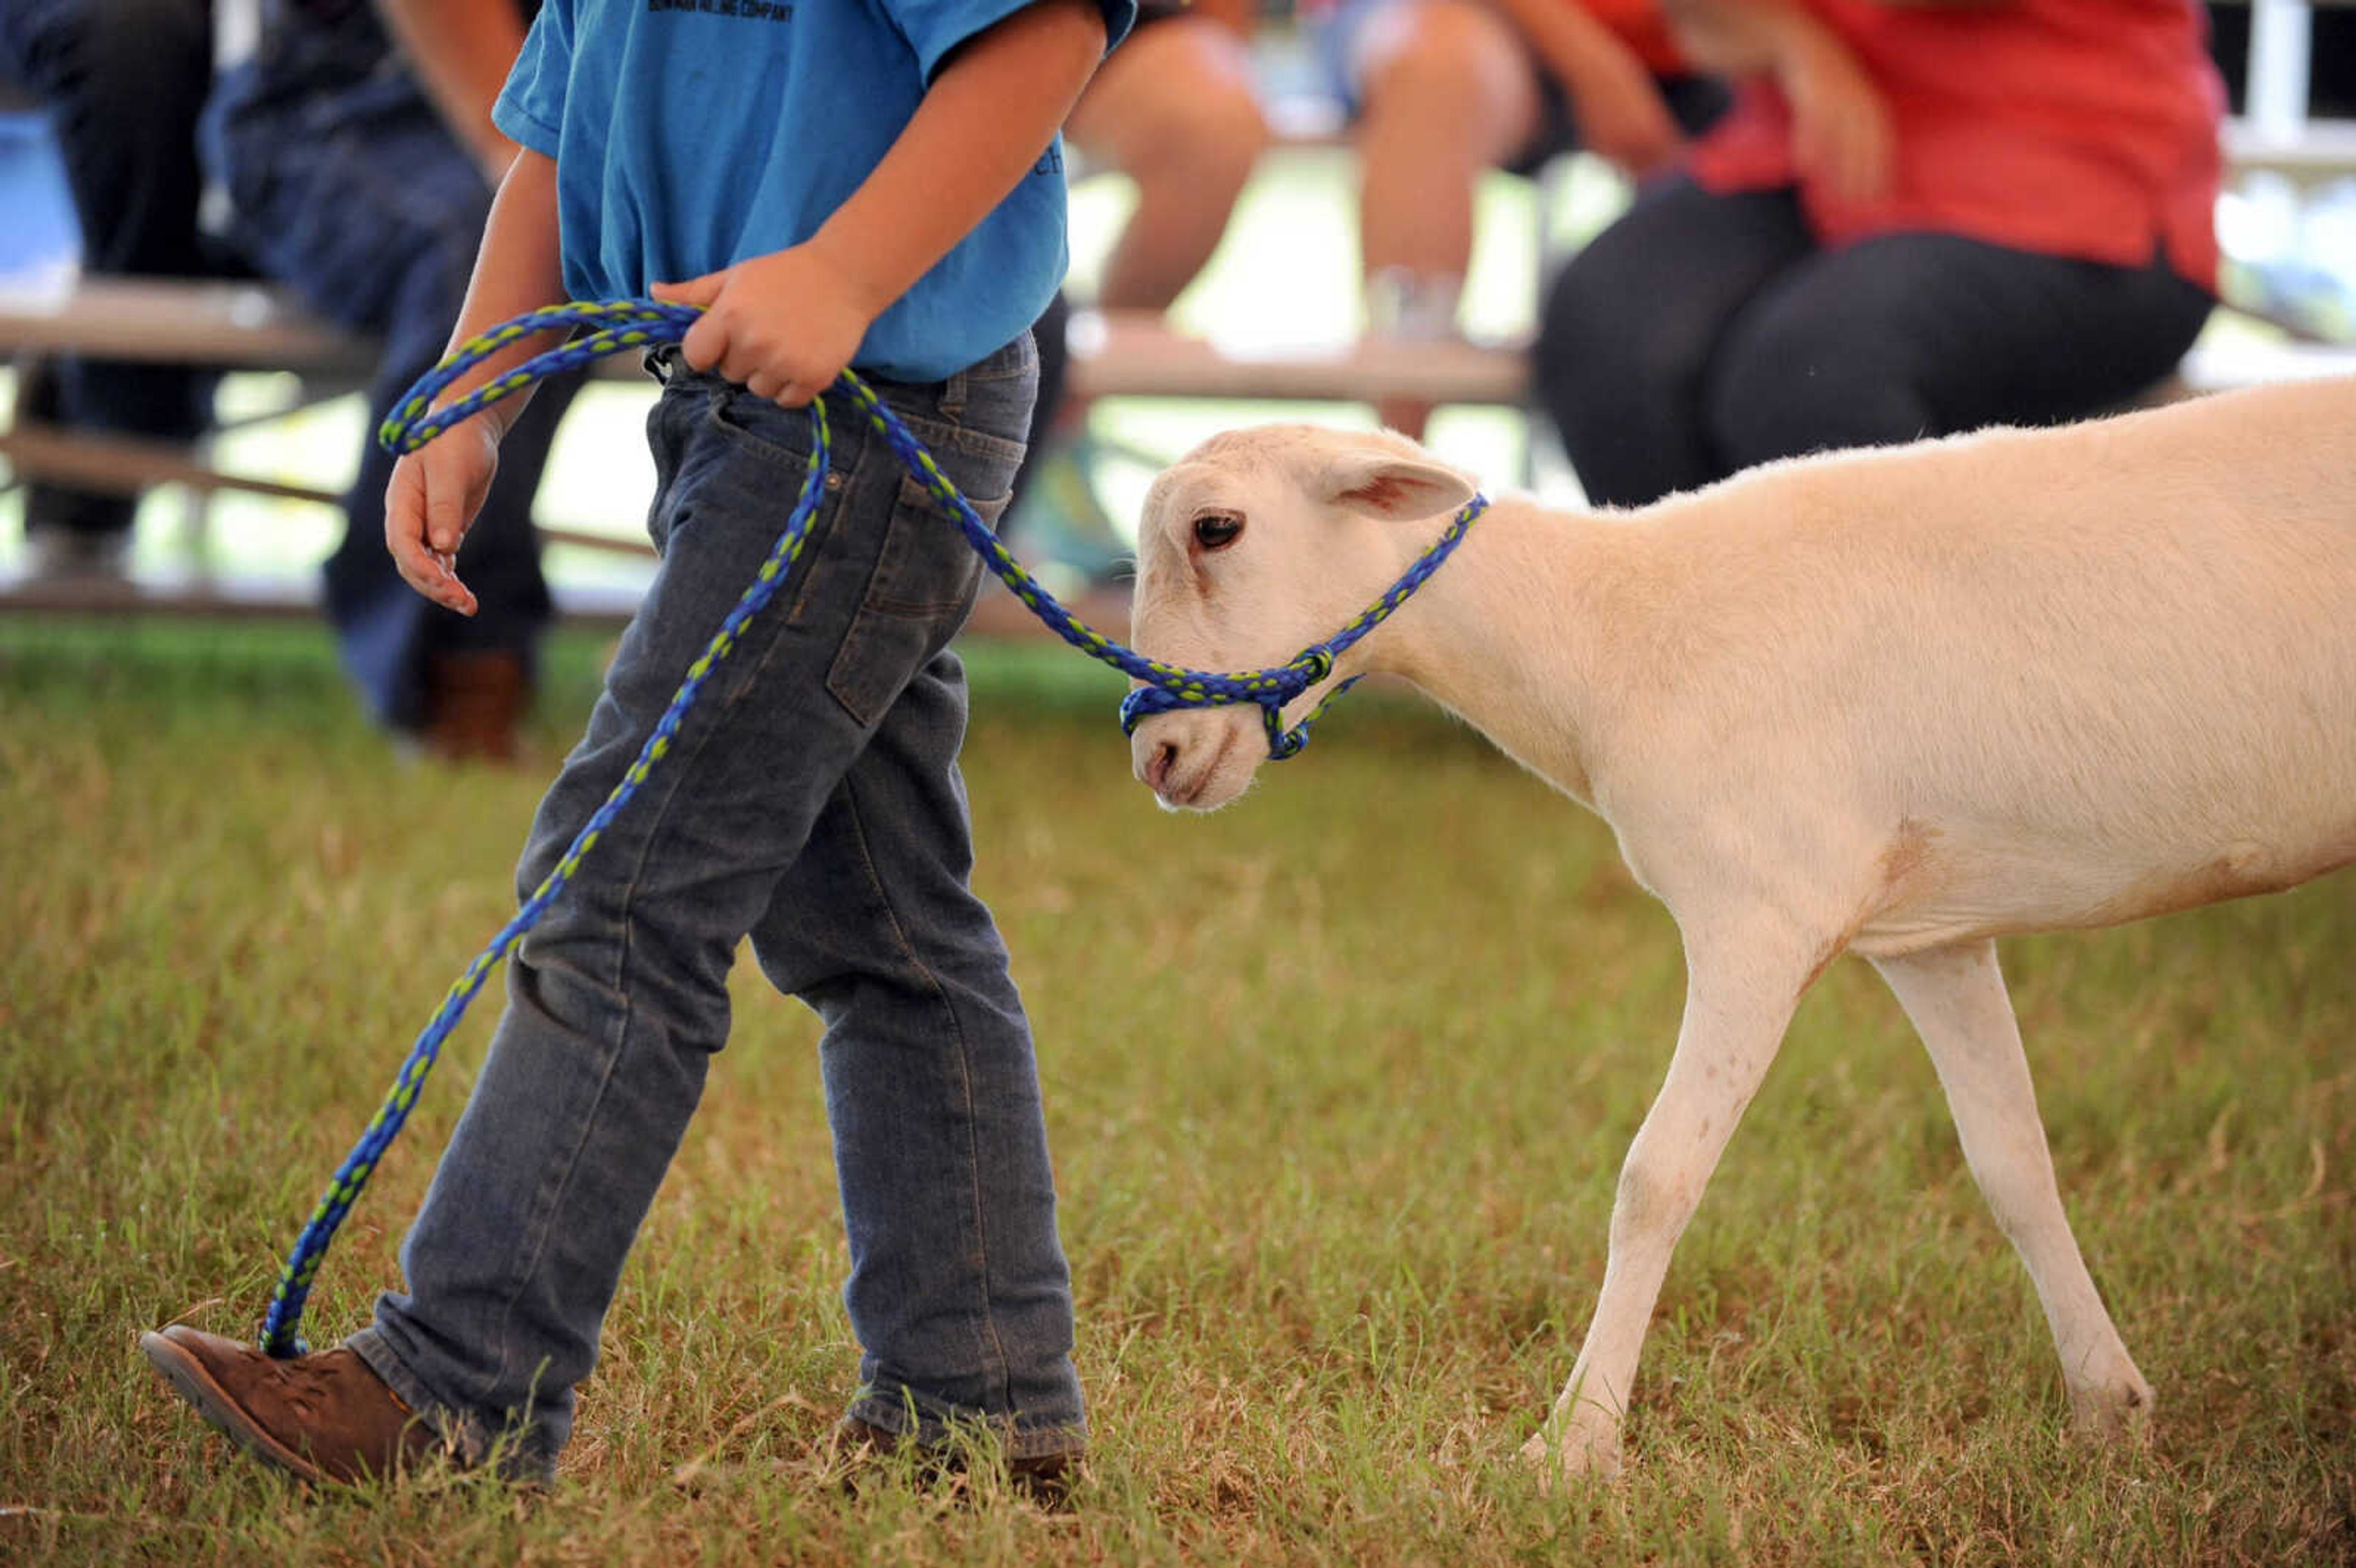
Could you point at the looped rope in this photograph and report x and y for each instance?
(645, 324)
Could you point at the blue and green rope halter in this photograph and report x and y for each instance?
(612, 328)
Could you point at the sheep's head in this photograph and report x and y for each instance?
(1253, 546)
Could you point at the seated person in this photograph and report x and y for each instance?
(1443, 91)
(123, 82)
(1917, 218)
(1174, 109)
(361, 177)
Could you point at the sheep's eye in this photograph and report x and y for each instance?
(1217, 530)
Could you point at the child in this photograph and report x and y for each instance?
(867, 182)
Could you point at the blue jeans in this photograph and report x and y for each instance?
(355, 194)
(123, 82)
(812, 800)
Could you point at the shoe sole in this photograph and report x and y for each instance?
(223, 1415)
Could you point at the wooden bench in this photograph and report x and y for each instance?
(232, 327)
(2316, 151)
(1134, 355)
(257, 327)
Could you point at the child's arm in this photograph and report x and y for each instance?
(435, 492)
(785, 324)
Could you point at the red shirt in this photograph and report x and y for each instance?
(2083, 128)
(1641, 26)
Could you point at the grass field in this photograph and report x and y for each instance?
(1338, 1081)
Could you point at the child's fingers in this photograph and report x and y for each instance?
(696, 292)
(446, 523)
(431, 575)
(706, 342)
(790, 387)
(423, 568)
(455, 594)
(404, 519)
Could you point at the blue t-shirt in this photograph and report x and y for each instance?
(691, 134)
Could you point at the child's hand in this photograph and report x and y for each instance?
(431, 503)
(784, 325)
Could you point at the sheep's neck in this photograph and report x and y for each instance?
(1505, 634)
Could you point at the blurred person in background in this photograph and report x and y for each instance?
(1443, 91)
(1917, 218)
(1173, 108)
(123, 82)
(356, 146)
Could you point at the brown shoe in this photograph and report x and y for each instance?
(474, 706)
(1047, 1479)
(319, 1417)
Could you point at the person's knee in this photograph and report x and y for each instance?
(1440, 60)
(1776, 395)
(1596, 350)
(135, 70)
(1230, 133)
(1204, 143)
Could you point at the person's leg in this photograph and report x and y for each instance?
(411, 658)
(1447, 92)
(1628, 329)
(1054, 361)
(365, 202)
(124, 83)
(1174, 109)
(618, 998)
(1916, 334)
(959, 1291)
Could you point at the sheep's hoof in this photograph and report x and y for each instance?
(2112, 1413)
(1583, 1458)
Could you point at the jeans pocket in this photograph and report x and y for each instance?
(759, 428)
(925, 577)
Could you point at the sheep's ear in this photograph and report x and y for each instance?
(1390, 485)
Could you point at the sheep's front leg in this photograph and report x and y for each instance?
(1739, 995)
(1957, 998)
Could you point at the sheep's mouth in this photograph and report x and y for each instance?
(1186, 782)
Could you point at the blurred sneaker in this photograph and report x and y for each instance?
(857, 1445)
(1407, 306)
(1060, 529)
(474, 706)
(74, 554)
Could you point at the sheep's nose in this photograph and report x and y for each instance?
(1158, 765)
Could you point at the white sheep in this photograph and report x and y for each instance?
(1897, 703)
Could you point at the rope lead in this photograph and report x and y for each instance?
(645, 324)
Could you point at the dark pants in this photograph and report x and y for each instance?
(124, 82)
(812, 802)
(1701, 335)
(361, 200)
(1054, 367)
